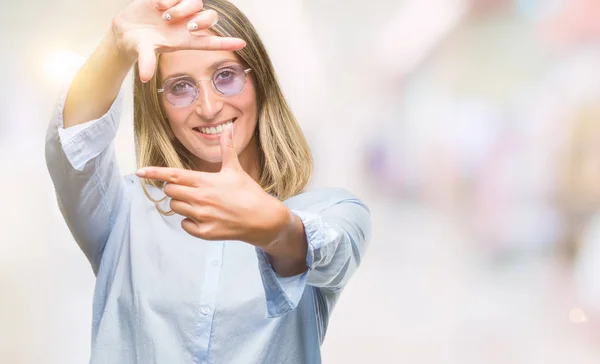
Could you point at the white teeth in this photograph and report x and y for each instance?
(215, 129)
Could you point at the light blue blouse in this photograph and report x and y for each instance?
(163, 296)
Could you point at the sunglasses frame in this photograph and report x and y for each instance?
(212, 79)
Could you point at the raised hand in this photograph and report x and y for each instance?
(228, 205)
(147, 27)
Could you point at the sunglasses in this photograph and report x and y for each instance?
(182, 91)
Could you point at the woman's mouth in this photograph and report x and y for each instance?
(214, 130)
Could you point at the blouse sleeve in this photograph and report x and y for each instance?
(337, 235)
(83, 168)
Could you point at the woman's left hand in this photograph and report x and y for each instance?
(228, 205)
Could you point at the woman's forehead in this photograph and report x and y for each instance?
(194, 61)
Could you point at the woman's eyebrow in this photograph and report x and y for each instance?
(218, 64)
(212, 67)
(177, 75)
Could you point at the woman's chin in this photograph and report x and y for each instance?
(210, 154)
(209, 163)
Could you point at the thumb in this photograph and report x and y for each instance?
(229, 157)
(146, 62)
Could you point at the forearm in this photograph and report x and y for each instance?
(288, 254)
(96, 84)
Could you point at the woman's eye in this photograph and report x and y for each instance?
(182, 87)
(225, 75)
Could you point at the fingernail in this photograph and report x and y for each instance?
(232, 131)
(140, 173)
(167, 16)
(214, 22)
(192, 26)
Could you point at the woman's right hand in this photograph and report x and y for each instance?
(147, 27)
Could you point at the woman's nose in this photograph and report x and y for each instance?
(209, 103)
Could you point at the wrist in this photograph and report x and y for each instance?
(287, 254)
(121, 52)
(281, 228)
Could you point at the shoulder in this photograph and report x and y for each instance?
(319, 199)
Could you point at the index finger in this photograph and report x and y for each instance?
(214, 43)
(178, 176)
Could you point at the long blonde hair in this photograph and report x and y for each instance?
(285, 159)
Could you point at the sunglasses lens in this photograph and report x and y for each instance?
(230, 80)
(181, 91)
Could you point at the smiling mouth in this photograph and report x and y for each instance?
(213, 130)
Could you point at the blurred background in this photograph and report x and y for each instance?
(470, 127)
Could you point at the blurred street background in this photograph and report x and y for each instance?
(470, 127)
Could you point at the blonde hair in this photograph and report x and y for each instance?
(285, 159)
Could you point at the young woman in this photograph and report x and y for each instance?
(213, 252)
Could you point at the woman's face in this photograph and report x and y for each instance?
(196, 126)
